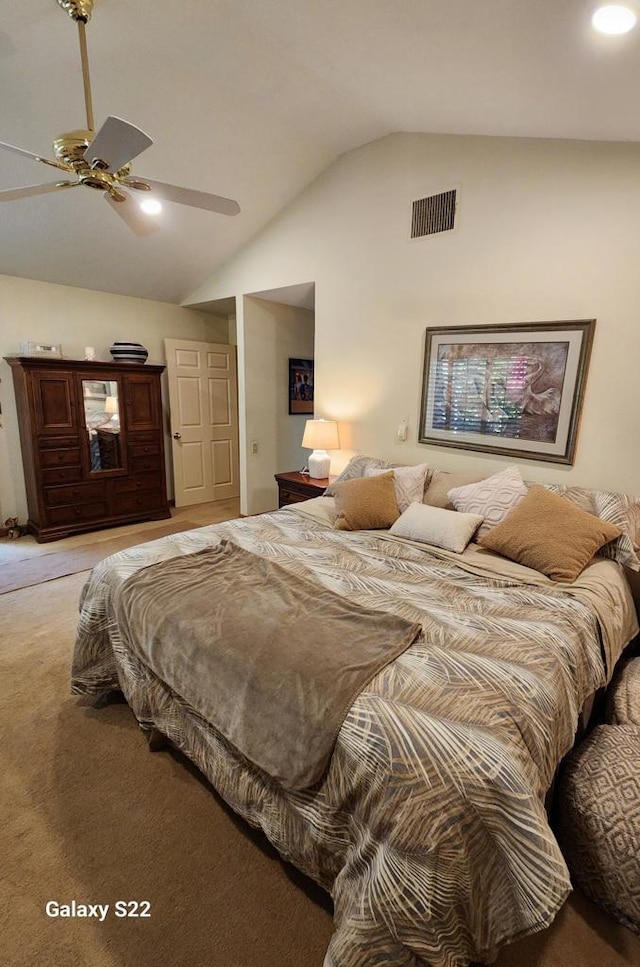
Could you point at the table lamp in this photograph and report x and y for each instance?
(111, 408)
(320, 436)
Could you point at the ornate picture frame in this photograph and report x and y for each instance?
(514, 389)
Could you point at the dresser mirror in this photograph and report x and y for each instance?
(101, 400)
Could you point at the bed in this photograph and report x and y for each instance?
(428, 826)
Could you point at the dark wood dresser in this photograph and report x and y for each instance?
(294, 486)
(92, 443)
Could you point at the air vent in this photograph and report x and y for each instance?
(433, 214)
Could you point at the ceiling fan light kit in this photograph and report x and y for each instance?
(102, 160)
(614, 19)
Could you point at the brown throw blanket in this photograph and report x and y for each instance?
(272, 660)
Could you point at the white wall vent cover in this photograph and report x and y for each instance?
(433, 214)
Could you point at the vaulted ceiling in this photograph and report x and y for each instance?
(252, 99)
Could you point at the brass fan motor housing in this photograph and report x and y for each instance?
(78, 10)
(69, 148)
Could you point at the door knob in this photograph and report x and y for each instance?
(177, 436)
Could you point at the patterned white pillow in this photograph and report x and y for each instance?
(407, 481)
(492, 498)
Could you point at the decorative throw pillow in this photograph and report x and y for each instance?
(435, 525)
(548, 533)
(493, 498)
(437, 493)
(366, 503)
(408, 482)
(356, 468)
(623, 510)
(623, 695)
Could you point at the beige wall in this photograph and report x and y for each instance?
(41, 311)
(268, 334)
(546, 230)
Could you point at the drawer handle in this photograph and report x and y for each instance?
(61, 456)
(145, 449)
(78, 511)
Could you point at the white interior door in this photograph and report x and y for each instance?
(203, 397)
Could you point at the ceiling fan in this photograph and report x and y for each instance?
(102, 160)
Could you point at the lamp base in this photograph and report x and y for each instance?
(319, 464)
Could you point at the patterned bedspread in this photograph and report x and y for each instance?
(429, 828)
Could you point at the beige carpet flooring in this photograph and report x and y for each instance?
(87, 813)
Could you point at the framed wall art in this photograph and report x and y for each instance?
(509, 389)
(301, 386)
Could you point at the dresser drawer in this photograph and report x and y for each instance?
(142, 436)
(294, 487)
(141, 464)
(58, 496)
(73, 514)
(138, 503)
(57, 442)
(144, 449)
(136, 484)
(56, 458)
(288, 496)
(60, 475)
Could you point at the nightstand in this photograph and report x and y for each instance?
(295, 486)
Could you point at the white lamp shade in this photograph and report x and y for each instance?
(320, 435)
(111, 405)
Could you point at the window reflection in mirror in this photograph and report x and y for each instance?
(102, 421)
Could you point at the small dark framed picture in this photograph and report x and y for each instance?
(301, 386)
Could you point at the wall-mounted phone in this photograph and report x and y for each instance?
(403, 431)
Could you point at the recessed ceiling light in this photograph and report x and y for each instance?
(150, 206)
(614, 19)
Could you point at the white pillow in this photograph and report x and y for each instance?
(493, 498)
(407, 481)
(435, 525)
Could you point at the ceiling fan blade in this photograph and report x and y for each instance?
(197, 199)
(11, 194)
(34, 157)
(115, 144)
(139, 223)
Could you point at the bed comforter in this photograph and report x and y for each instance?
(429, 827)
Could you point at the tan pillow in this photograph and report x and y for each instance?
(366, 503)
(548, 533)
(408, 483)
(623, 510)
(356, 468)
(436, 494)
